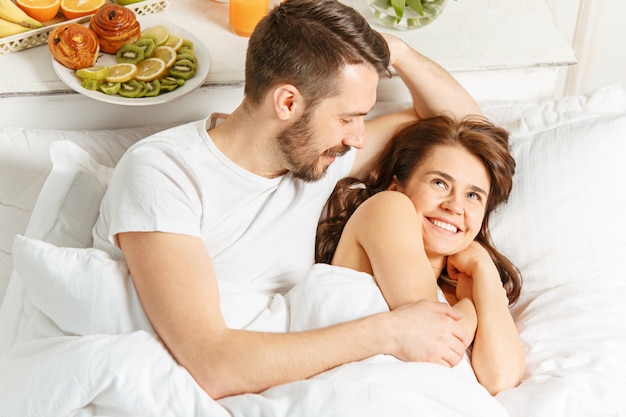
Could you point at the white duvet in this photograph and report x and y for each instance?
(87, 349)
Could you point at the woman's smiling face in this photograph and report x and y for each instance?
(450, 189)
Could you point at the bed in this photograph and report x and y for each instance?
(74, 340)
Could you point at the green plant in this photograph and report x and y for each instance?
(406, 14)
(399, 6)
(421, 7)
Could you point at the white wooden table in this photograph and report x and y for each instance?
(498, 49)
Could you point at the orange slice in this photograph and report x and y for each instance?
(73, 9)
(120, 73)
(41, 10)
(150, 69)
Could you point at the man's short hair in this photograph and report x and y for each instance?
(307, 43)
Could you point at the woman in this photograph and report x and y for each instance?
(452, 175)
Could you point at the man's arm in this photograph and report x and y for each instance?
(178, 290)
(434, 91)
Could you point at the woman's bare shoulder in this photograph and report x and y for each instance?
(388, 200)
(385, 208)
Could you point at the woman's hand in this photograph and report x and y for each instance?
(464, 285)
(468, 266)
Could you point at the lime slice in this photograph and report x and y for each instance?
(98, 72)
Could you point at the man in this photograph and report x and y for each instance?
(191, 210)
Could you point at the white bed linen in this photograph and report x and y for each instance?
(575, 347)
(571, 316)
(25, 164)
(118, 367)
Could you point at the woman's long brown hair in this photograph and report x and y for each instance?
(407, 149)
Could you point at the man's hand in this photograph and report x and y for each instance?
(427, 331)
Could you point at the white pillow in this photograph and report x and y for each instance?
(64, 214)
(69, 202)
(26, 163)
(82, 290)
(565, 228)
(565, 220)
(528, 117)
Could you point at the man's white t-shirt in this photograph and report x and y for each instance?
(259, 232)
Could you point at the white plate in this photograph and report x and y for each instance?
(68, 76)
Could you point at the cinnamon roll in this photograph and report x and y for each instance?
(115, 26)
(74, 46)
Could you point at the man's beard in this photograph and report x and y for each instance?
(298, 148)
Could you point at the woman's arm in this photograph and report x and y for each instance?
(178, 290)
(384, 238)
(497, 354)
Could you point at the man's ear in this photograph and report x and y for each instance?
(287, 101)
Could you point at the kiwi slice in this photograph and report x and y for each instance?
(183, 68)
(131, 89)
(187, 55)
(151, 88)
(167, 84)
(168, 79)
(186, 51)
(187, 44)
(129, 53)
(90, 84)
(110, 88)
(147, 44)
(166, 88)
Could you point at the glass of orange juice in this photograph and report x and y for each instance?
(245, 14)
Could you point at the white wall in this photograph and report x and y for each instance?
(596, 29)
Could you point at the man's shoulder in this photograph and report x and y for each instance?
(177, 138)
